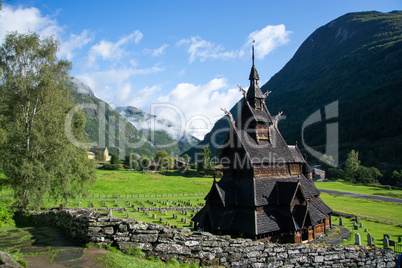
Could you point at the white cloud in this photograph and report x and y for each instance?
(196, 108)
(24, 20)
(74, 42)
(111, 51)
(204, 50)
(267, 39)
(115, 85)
(156, 52)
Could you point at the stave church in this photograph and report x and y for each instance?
(267, 191)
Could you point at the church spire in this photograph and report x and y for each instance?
(254, 90)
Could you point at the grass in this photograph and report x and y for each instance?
(359, 189)
(381, 211)
(117, 259)
(116, 188)
(129, 182)
(375, 229)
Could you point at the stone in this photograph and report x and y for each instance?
(7, 261)
(369, 240)
(144, 238)
(357, 239)
(173, 249)
(143, 246)
(386, 242)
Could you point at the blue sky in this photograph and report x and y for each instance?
(190, 54)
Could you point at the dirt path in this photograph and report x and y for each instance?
(48, 247)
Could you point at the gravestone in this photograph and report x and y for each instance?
(369, 240)
(365, 230)
(340, 221)
(357, 239)
(386, 242)
(361, 225)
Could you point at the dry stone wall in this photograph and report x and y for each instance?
(206, 249)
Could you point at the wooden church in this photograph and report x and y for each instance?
(267, 191)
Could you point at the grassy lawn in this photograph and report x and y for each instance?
(381, 211)
(359, 189)
(375, 229)
(136, 182)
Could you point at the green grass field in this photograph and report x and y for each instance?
(359, 189)
(125, 188)
(136, 182)
(380, 211)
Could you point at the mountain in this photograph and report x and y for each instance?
(105, 127)
(355, 60)
(164, 133)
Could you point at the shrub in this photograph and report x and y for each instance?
(111, 166)
(6, 214)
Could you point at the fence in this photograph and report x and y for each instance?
(105, 196)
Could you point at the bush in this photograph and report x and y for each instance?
(111, 166)
(6, 214)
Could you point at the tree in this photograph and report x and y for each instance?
(185, 158)
(100, 156)
(205, 163)
(144, 162)
(357, 173)
(37, 157)
(163, 158)
(352, 165)
(114, 160)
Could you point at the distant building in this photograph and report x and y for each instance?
(266, 192)
(154, 166)
(178, 164)
(318, 174)
(91, 155)
(103, 151)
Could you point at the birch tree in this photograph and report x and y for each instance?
(37, 158)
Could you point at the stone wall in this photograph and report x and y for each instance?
(206, 249)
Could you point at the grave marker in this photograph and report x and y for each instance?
(357, 239)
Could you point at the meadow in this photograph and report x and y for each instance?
(135, 190)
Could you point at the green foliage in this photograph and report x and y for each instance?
(397, 177)
(111, 166)
(100, 156)
(356, 173)
(185, 158)
(352, 165)
(144, 162)
(206, 165)
(135, 252)
(163, 158)
(173, 262)
(37, 156)
(114, 160)
(6, 213)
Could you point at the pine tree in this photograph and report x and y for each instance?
(37, 157)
